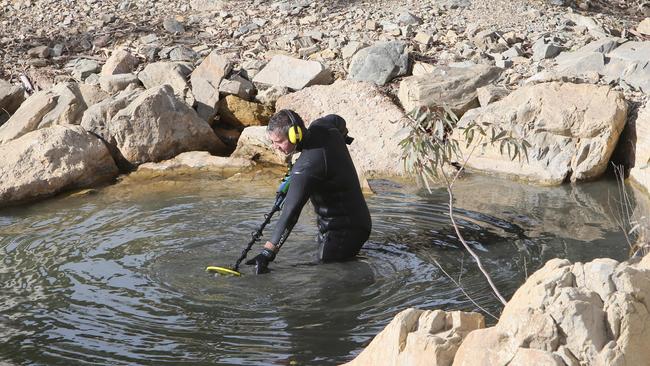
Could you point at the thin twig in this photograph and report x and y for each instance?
(463, 290)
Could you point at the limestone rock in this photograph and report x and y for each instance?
(417, 337)
(573, 129)
(639, 137)
(293, 73)
(644, 26)
(255, 145)
(206, 5)
(91, 94)
(372, 119)
(598, 325)
(50, 160)
(11, 97)
(205, 84)
(271, 94)
(454, 87)
(238, 86)
(116, 83)
(157, 126)
(490, 93)
(83, 68)
(379, 63)
(543, 50)
(120, 62)
(63, 104)
(239, 113)
(172, 73)
(96, 117)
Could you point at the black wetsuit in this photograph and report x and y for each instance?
(324, 173)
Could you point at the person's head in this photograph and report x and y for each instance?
(285, 129)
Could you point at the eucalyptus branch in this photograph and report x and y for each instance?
(457, 284)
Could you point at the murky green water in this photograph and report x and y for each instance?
(116, 277)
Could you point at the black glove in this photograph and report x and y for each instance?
(262, 260)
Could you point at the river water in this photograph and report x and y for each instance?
(116, 275)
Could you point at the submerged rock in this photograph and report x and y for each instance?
(201, 161)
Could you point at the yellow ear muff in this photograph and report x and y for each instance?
(295, 134)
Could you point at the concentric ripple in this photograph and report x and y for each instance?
(117, 277)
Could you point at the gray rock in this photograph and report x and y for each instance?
(11, 97)
(83, 68)
(207, 5)
(454, 87)
(116, 83)
(512, 52)
(454, 4)
(57, 50)
(45, 162)
(543, 50)
(271, 94)
(120, 62)
(150, 38)
(579, 63)
(351, 48)
(238, 86)
(205, 84)
(96, 117)
(293, 73)
(39, 51)
(604, 45)
(379, 63)
(172, 25)
(182, 53)
(171, 73)
(407, 18)
(491, 93)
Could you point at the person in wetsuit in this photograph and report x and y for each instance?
(325, 174)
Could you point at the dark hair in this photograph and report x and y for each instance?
(280, 123)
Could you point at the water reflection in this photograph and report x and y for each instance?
(115, 276)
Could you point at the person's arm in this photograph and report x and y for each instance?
(297, 197)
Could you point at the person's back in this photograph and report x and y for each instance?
(337, 197)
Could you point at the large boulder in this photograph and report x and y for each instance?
(157, 125)
(574, 314)
(206, 79)
(379, 63)
(63, 104)
(455, 87)
(420, 337)
(573, 129)
(50, 160)
(174, 74)
(293, 73)
(11, 97)
(372, 119)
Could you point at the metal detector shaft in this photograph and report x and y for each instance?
(256, 235)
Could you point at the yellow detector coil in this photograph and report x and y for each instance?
(222, 271)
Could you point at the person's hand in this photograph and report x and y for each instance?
(262, 260)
